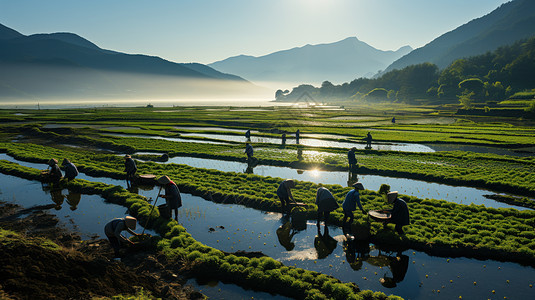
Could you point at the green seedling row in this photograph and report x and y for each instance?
(437, 226)
(261, 273)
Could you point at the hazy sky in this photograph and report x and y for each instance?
(210, 30)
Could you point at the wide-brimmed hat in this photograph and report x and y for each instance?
(164, 180)
(65, 161)
(127, 156)
(52, 162)
(358, 186)
(354, 148)
(130, 222)
(390, 197)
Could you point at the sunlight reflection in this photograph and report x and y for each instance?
(314, 173)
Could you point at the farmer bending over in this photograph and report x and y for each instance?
(54, 173)
(70, 169)
(172, 194)
(285, 194)
(400, 212)
(351, 201)
(113, 231)
(326, 203)
(129, 167)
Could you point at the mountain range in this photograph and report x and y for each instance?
(337, 62)
(505, 25)
(65, 65)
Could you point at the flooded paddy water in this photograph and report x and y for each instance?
(409, 274)
(417, 188)
(85, 214)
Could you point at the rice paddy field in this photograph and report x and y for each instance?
(472, 231)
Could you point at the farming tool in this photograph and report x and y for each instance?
(380, 215)
(150, 213)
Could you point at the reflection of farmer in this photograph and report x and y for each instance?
(54, 173)
(115, 227)
(172, 194)
(297, 133)
(356, 252)
(248, 134)
(368, 139)
(324, 244)
(249, 169)
(400, 212)
(57, 197)
(399, 266)
(326, 203)
(285, 233)
(73, 199)
(283, 139)
(352, 178)
(285, 194)
(129, 167)
(351, 159)
(70, 169)
(350, 203)
(249, 151)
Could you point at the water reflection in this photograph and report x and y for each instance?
(417, 188)
(285, 233)
(324, 243)
(312, 142)
(86, 214)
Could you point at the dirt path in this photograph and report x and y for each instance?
(80, 269)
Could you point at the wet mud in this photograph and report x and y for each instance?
(80, 269)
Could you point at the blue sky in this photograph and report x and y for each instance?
(210, 30)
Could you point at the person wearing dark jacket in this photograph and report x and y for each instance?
(172, 194)
(54, 173)
(399, 213)
(250, 152)
(351, 159)
(129, 167)
(113, 232)
(368, 139)
(326, 203)
(70, 169)
(285, 194)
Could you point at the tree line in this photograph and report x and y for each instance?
(490, 77)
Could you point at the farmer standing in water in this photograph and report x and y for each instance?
(172, 194)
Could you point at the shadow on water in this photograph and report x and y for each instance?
(85, 214)
(417, 188)
(410, 274)
(420, 189)
(236, 228)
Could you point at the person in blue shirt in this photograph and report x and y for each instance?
(350, 203)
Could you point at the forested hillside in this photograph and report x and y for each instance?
(491, 77)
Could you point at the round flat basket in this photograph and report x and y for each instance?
(379, 215)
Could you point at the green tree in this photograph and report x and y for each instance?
(466, 100)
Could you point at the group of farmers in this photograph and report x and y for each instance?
(54, 173)
(399, 214)
(325, 201)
